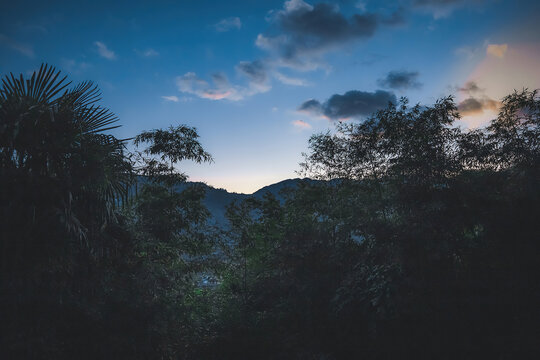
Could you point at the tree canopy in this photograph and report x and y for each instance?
(419, 240)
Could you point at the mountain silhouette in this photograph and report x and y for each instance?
(217, 200)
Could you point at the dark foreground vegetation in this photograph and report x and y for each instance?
(425, 245)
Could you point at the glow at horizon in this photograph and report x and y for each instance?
(258, 78)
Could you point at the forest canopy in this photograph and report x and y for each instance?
(420, 239)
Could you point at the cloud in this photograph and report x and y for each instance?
(311, 106)
(476, 106)
(104, 51)
(221, 88)
(24, 49)
(497, 50)
(228, 24)
(471, 87)
(306, 31)
(287, 80)
(476, 101)
(352, 104)
(190, 83)
(300, 124)
(150, 53)
(443, 8)
(172, 98)
(400, 80)
(255, 71)
(298, 37)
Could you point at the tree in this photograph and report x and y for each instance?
(89, 268)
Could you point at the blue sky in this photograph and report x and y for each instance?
(257, 78)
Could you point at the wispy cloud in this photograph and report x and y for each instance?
(150, 53)
(444, 8)
(221, 89)
(227, 24)
(24, 49)
(302, 125)
(288, 80)
(497, 50)
(470, 88)
(172, 98)
(104, 51)
(255, 71)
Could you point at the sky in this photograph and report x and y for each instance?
(258, 78)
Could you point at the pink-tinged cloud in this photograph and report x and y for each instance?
(190, 83)
(220, 89)
(216, 95)
(497, 50)
(300, 124)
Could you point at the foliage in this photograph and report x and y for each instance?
(90, 268)
(421, 242)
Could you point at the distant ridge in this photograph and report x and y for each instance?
(217, 200)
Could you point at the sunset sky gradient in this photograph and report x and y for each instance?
(257, 78)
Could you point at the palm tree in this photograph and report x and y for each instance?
(61, 176)
(54, 149)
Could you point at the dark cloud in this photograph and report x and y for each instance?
(475, 106)
(400, 80)
(471, 87)
(311, 106)
(323, 24)
(303, 30)
(477, 101)
(255, 71)
(352, 104)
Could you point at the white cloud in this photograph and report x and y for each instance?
(287, 80)
(228, 24)
(104, 51)
(294, 5)
(150, 53)
(172, 98)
